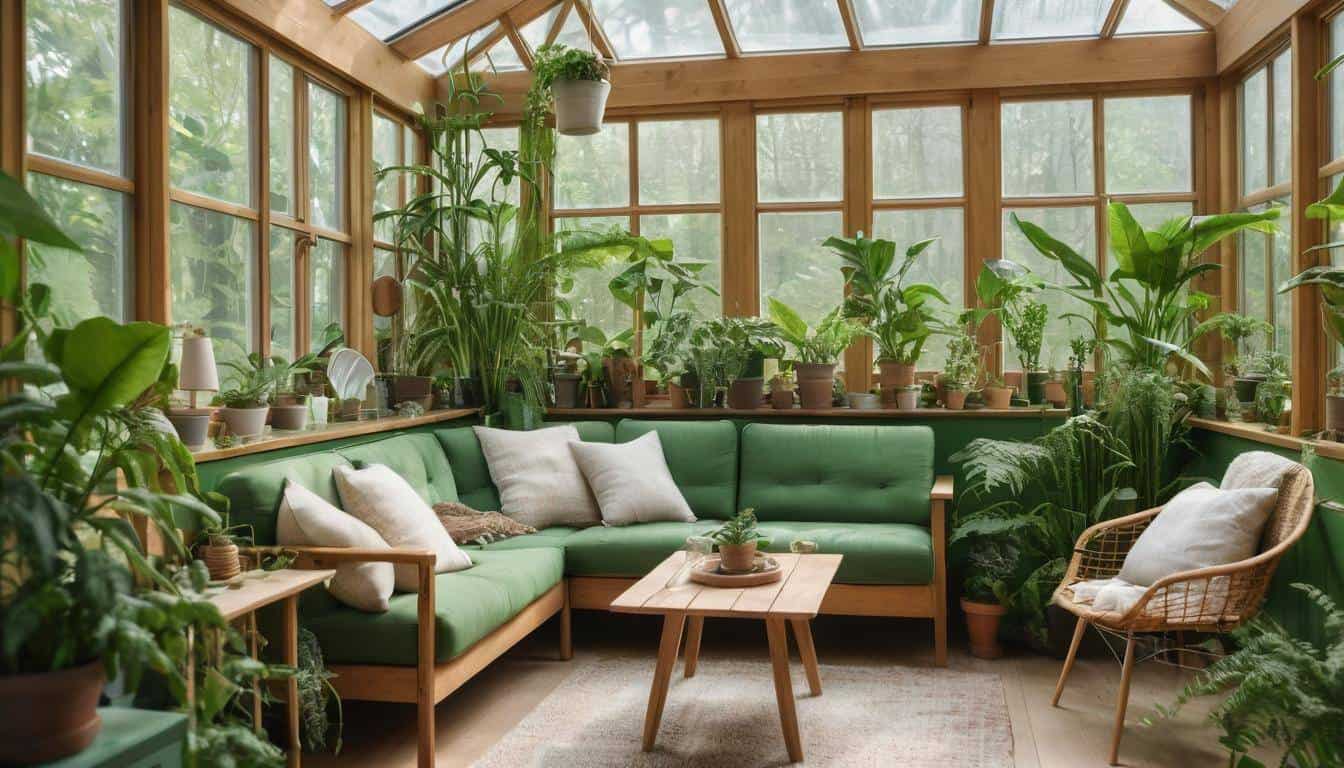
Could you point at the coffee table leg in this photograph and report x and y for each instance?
(777, 634)
(695, 625)
(662, 675)
(802, 630)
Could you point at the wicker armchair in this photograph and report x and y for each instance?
(1216, 599)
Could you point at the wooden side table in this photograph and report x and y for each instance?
(793, 600)
(133, 738)
(281, 587)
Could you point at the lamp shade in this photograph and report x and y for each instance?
(197, 369)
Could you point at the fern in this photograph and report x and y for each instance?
(1284, 691)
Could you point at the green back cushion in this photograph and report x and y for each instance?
(702, 456)
(418, 458)
(589, 431)
(255, 491)
(832, 473)
(472, 475)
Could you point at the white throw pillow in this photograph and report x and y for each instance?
(384, 500)
(632, 482)
(308, 520)
(1201, 527)
(538, 479)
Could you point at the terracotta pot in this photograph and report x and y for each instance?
(781, 399)
(291, 417)
(737, 557)
(1089, 392)
(982, 624)
(221, 559)
(892, 376)
(676, 395)
(245, 422)
(907, 398)
(48, 716)
(566, 390)
(1334, 414)
(619, 385)
(814, 384)
(401, 388)
(998, 397)
(745, 394)
(1055, 394)
(580, 105)
(955, 399)
(595, 398)
(192, 425)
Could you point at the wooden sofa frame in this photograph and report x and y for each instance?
(428, 683)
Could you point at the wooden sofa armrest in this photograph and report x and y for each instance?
(939, 497)
(942, 488)
(311, 558)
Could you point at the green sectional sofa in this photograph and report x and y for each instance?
(865, 492)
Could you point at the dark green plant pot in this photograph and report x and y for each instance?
(1245, 387)
(518, 413)
(497, 420)
(1036, 386)
(1073, 387)
(466, 392)
(755, 368)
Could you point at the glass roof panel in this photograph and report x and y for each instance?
(648, 29)
(1038, 19)
(1145, 17)
(763, 26)
(386, 18)
(502, 55)
(573, 33)
(438, 61)
(534, 31)
(917, 22)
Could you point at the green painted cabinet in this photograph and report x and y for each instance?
(133, 738)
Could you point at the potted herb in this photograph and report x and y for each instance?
(719, 358)
(985, 597)
(997, 394)
(577, 81)
(1241, 332)
(443, 391)
(738, 542)
(289, 404)
(757, 339)
(1080, 351)
(1271, 397)
(219, 551)
(818, 350)
(245, 403)
(961, 372)
(907, 398)
(781, 390)
(1026, 324)
(899, 316)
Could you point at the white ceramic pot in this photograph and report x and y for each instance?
(192, 425)
(863, 401)
(579, 105)
(245, 422)
(907, 398)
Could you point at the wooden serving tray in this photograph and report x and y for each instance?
(707, 572)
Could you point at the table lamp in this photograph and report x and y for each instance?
(196, 372)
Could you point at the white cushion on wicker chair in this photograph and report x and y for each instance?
(1200, 527)
(1257, 469)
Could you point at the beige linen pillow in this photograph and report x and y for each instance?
(308, 520)
(632, 482)
(389, 505)
(538, 480)
(1200, 527)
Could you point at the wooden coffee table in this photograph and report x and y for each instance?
(794, 599)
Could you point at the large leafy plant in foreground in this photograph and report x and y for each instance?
(1148, 294)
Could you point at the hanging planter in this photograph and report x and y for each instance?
(578, 86)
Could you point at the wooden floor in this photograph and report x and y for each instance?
(1074, 736)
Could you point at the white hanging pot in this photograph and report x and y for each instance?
(579, 105)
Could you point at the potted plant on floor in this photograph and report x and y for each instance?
(899, 316)
(985, 597)
(818, 350)
(577, 81)
(738, 541)
(246, 402)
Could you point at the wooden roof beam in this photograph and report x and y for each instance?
(1113, 17)
(461, 19)
(520, 45)
(730, 45)
(1246, 29)
(851, 26)
(346, 6)
(1205, 13)
(560, 18)
(596, 33)
(986, 20)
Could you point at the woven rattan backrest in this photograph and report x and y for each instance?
(1297, 498)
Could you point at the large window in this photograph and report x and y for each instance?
(1265, 119)
(77, 111)
(657, 178)
(394, 143)
(800, 184)
(919, 192)
(243, 226)
(1064, 159)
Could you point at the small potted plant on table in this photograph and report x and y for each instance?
(818, 350)
(738, 541)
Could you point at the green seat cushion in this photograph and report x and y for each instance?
(702, 457)
(628, 550)
(417, 458)
(837, 473)
(469, 605)
(255, 491)
(546, 537)
(874, 553)
(472, 474)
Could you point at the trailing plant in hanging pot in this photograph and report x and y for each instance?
(577, 81)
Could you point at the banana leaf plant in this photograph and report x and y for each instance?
(1148, 294)
(900, 316)
(1328, 278)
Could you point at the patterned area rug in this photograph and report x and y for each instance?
(726, 717)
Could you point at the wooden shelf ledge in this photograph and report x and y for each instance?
(878, 414)
(1257, 433)
(331, 431)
